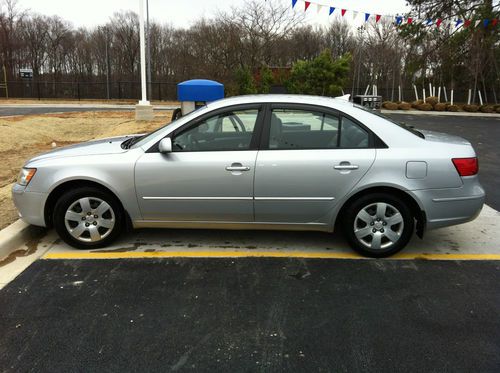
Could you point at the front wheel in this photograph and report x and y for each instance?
(378, 225)
(88, 218)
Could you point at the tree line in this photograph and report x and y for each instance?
(251, 47)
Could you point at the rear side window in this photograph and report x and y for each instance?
(303, 129)
(352, 135)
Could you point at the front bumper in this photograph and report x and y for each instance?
(451, 206)
(30, 205)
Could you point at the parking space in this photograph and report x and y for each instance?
(160, 300)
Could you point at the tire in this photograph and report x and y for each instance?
(88, 218)
(387, 221)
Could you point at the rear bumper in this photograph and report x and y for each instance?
(445, 207)
(30, 205)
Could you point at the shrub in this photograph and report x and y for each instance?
(404, 105)
(433, 100)
(486, 109)
(425, 107)
(498, 109)
(440, 106)
(452, 108)
(389, 105)
(415, 104)
(322, 76)
(244, 81)
(470, 108)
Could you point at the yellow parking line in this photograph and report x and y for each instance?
(253, 254)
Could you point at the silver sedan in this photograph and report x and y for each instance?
(281, 162)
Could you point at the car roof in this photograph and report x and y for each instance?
(282, 98)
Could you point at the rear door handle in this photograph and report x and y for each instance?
(346, 166)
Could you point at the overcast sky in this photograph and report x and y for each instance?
(184, 12)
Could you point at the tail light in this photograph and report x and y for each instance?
(466, 166)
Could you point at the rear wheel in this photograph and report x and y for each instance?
(378, 225)
(88, 218)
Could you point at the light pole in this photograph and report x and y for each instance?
(143, 110)
(148, 45)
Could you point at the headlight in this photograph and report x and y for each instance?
(25, 176)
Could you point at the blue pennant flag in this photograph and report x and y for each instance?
(399, 19)
(485, 22)
(294, 2)
(459, 21)
(332, 9)
(367, 15)
(429, 21)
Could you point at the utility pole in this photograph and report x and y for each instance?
(107, 63)
(148, 44)
(143, 109)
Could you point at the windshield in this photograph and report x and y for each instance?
(140, 141)
(403, 125)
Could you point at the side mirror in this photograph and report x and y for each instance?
(165, 145)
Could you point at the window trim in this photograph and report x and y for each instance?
(374, 142)
(254, 141)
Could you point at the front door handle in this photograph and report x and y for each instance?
(237, 167)
(343, 166)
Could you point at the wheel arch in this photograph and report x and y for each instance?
(63, 187)
(415, 207)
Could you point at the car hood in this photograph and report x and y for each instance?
(443, 137)
(111, 145)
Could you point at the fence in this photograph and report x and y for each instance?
(168, 91)
(459, 95)
(89, 90)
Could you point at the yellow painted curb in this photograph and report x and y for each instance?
(256, 254)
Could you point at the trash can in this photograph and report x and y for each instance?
(370, 101)
(197, 92)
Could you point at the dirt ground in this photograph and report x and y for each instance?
(25, 136)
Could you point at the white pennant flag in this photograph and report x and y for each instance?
(477, 23)
(319, 7)
(354, 15)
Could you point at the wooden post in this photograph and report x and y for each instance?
(399, 93)
(423, 94)
(430, 89)
(439, 94)
(452, 96)
(468, 99)
(480, 97)
(5, 82)
(416, 93)
(445, 95)
(366, 90)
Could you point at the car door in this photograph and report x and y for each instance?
(309, 159)
(209, 174)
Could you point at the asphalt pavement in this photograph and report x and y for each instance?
(247, 314)
(32, 109)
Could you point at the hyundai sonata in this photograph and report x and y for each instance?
(281, 162)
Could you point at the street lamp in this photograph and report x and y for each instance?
(143, 109)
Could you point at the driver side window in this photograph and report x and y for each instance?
(231, 130)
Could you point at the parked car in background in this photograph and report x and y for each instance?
(283, 162)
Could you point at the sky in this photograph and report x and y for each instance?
(183, 13)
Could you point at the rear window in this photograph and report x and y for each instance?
(403, 125)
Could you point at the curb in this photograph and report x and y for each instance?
(15, 235)
(443, 113)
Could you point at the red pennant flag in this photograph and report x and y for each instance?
(438, 22)
(377, 18)
(410, 20)
(306, 3)
(343, 12)
(494, 22)
(467, 23)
